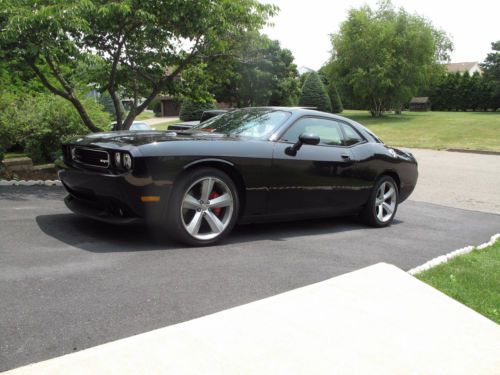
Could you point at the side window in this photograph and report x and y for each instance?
(328, 131)
(351, 136)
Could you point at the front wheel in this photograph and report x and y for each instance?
(203, 207)
(383, 203)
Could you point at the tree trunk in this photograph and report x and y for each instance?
(378, 108)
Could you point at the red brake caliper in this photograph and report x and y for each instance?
(218, 209)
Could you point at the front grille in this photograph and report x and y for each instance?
(91, 157)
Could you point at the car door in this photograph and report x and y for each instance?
(318, 179)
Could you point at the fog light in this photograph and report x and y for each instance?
(118, 160)
(127, 161)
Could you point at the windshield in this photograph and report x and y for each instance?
(254, 122)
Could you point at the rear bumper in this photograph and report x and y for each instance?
(113, 198)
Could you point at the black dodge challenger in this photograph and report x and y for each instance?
(247, 165)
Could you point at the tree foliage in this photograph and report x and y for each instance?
(382, 57)
(314, 94)
(491, 69)
(462, 92)
(138, 46)
(335, 100)
(192, 110)
(108, 105)
(39, 123)
(258, 72)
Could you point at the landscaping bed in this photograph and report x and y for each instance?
(22, 168)
(472, 279)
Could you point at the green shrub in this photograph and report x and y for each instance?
(335, 100)
(192, 111)
(155, 106)
(9, 113)
(314, 94)
(44, 121)
(157, 109)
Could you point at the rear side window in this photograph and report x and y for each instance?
(351, 136)
(329, 131)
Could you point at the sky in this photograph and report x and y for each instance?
(304, 26)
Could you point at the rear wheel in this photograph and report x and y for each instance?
(383, 203)
(203, 207)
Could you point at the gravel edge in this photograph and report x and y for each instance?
(30, 182)
(445, 258)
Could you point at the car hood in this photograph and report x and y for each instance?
(138, 138)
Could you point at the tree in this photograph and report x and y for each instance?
(491, 69)
(108, 105)
(382, 57)
(314, 94)
(337, 106)
(258, 72)
(192, 110)
(140, 47)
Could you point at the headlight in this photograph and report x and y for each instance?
(118, 160)
(127, 162)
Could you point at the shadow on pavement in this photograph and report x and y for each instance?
(94, 236)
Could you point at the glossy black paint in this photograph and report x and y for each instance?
(319, 180)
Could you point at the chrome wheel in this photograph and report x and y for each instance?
(207, 208)
(385, 201)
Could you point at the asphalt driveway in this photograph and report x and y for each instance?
(68, 283)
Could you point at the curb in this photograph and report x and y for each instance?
(30, 183)
(473, 151)
(445, 258)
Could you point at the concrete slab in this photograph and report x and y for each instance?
(378, 320)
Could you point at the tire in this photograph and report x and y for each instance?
(203, 207)
(383, 199)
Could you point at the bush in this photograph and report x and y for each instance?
(9, 114)
(155, 106)
(314, 94)
(337, 106)
(192, 111)
(43, 121)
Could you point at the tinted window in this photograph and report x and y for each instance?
(351, 136)
(328, 131)
(254, 122)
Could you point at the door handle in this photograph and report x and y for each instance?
(345, 156)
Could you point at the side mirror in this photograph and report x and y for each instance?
(304, 139)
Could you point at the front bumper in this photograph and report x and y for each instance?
(113, 198)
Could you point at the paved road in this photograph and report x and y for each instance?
(466, 180)
(68, 283)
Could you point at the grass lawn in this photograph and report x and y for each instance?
(473, 279)
(145, 115)
(436, 130)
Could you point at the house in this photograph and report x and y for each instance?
(420, 104)
(304, 69)
(463, 67)
(169, 107)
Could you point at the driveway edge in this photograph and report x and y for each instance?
(445, 258)
(30, 182)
